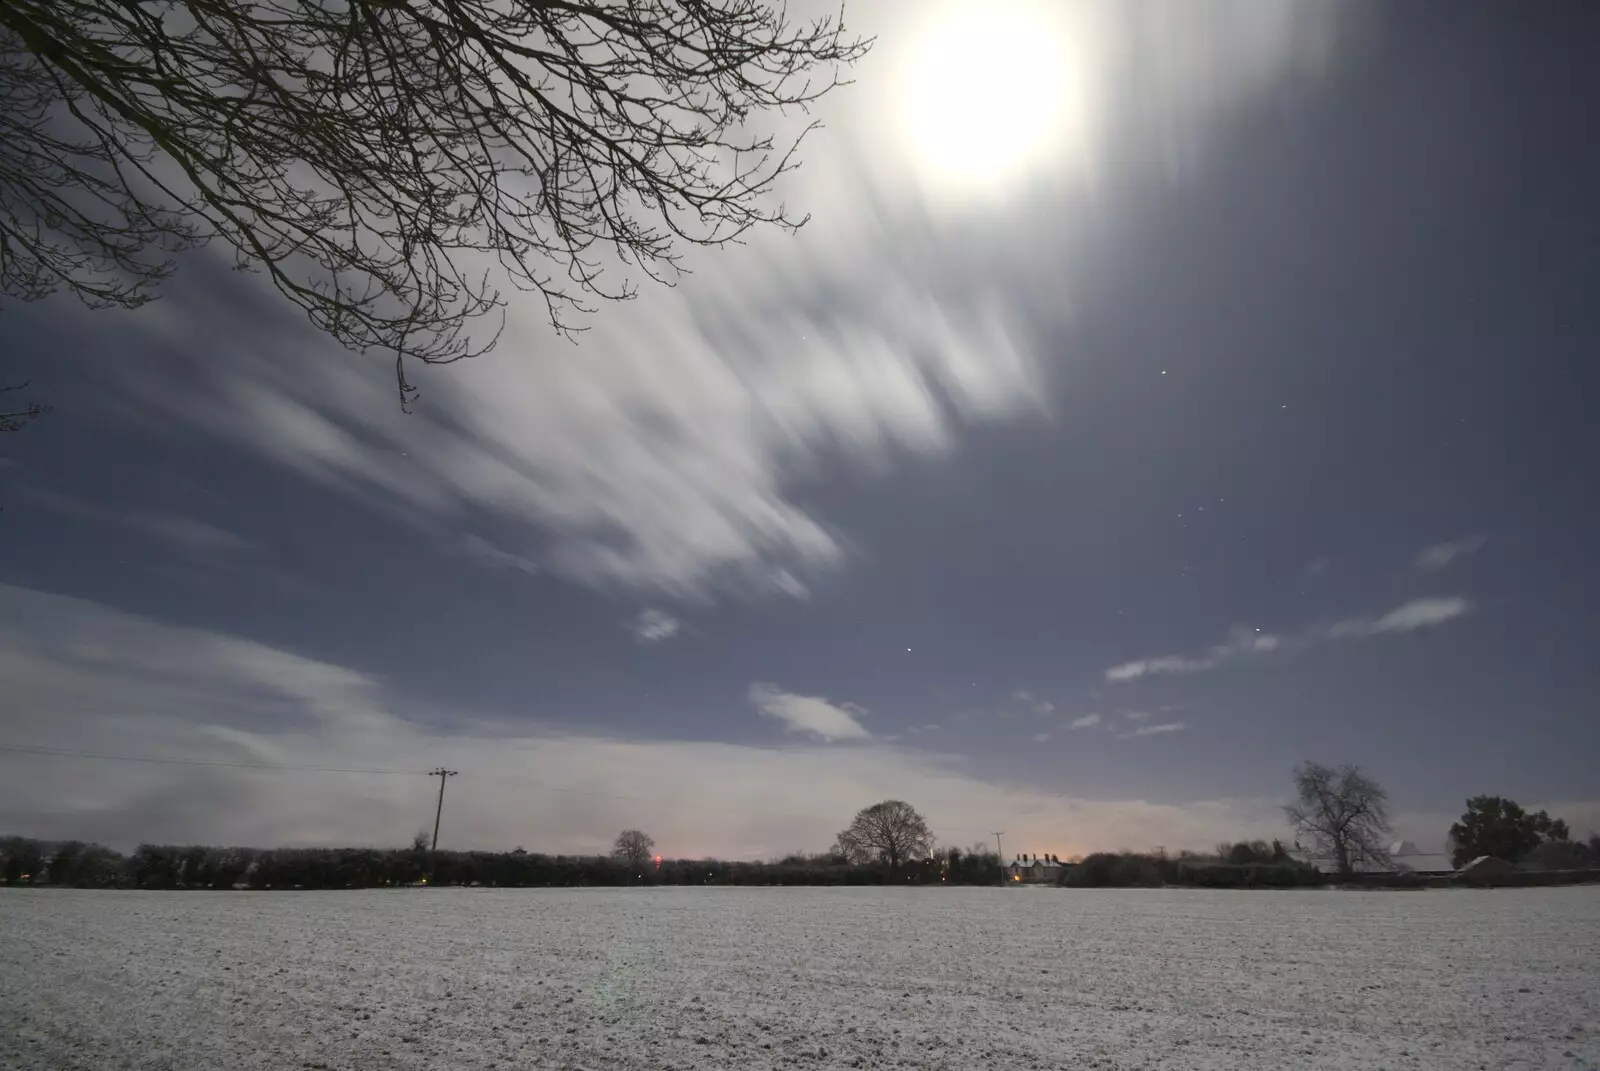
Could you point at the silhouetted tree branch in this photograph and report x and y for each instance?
(371, 155)
(16, 419)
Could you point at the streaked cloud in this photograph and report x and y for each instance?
(1244, 643)
(1409, 617)
(176, 530)
(486, 553)
(1085, 721)
(1154, 730)
(1241, 642)
(666, 451)
(663, 453)
(1442, 555)
(139, 687)
(809, 714)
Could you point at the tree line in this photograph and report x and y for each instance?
(1341, 815)
(891, 844)
(161, 866)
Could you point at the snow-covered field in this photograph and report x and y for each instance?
(815, 978)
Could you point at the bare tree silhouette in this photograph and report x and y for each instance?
(1343, 813)
(357, 150)
(633, 846)
(891, 832)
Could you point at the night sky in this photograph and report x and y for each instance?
(1073, 475)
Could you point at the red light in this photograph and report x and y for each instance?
(658, 860)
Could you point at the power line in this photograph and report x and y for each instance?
(443, 775)
(66, 753)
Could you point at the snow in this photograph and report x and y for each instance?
(800, 977)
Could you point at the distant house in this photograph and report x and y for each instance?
(1035, 869)
(1404, 858)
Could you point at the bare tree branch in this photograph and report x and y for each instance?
(12, 420)
(365, 154)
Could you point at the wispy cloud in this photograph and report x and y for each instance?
(1039, 738)
(1244, 643)
(136, 686)
(809, 714)
(1136, 715)
(486, 553)
(667, 452)
(1154, 730)
(175, 530)
(664, 454)
(1085, 721)
(1441, 555)
(189, 534)
(654, 626)
(1414, 615)
(1241, 642)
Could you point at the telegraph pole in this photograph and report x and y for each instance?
(997, 851)
(441, 773)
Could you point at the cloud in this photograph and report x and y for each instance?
(1441, 555)
(1129, 671)
(1086, 721)
(1318, 566)
(1409, 617)
(664, 454)
(1041, 707)
(175, 530)
(1244, 642)
(809, 714)
(79, 671)
(1039, 738)
(486, 553)
(654, 626)
(1241, 641)
(1136, 715)
(1154, 730)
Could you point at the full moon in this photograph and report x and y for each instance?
(990, 93)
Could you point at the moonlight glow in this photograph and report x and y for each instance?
(991, 93)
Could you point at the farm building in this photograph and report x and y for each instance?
(1406, 858)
